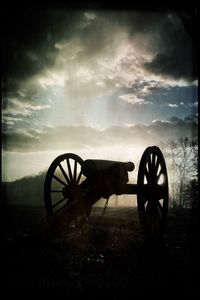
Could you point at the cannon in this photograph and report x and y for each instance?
(73, 185)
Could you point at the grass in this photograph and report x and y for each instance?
(107, 256)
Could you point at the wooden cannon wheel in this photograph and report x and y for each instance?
(152, 196)
(62, 182)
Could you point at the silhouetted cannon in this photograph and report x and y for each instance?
(106, 175)
(73, 185)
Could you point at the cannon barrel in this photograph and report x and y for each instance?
(91, 167)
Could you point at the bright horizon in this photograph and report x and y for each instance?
(41, 160)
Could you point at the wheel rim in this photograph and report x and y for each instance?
(62, 182)
(152, 177)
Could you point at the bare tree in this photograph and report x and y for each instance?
(181, 159)
(185, 166)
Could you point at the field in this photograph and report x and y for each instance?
(107, 256)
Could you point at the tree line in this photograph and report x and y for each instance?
(182, 164)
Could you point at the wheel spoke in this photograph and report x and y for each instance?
(58, 179)
(151, 166)
(149, 163)
(159, 174)
(69, 169)
(53, 206)
(79, 177)
(64, 174)
(147, 174)
(153, 160)
(151, 171)
(75, 171)
(156, 166)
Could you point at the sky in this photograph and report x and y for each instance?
(97, 82)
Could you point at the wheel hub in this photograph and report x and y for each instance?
(70, 191)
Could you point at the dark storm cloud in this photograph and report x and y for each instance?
(29, 37)
(170, 41)
(32, 32)
(175, 64)
(174, 50)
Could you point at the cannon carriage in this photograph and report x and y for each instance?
(73, 185)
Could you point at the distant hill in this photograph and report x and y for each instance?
(24, 191)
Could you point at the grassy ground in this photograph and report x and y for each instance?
(107, 256)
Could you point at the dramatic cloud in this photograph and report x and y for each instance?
(156, 40)
(30, 51)
(74, 78)
(174, 50)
